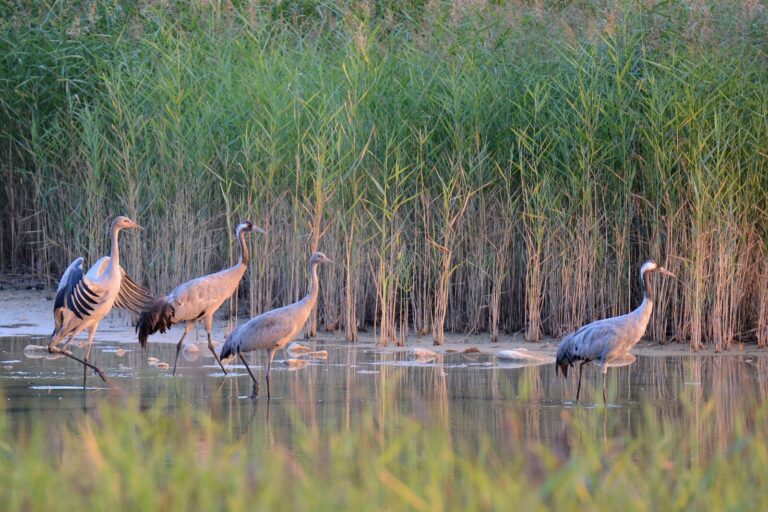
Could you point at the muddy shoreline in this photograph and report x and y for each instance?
(28, 313)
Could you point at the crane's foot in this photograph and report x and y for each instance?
(255, 393)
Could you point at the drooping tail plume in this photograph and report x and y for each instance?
(226, 351)
(565, 357)
(159, 317)
(229, 348)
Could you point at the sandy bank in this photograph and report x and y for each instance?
(29, 313)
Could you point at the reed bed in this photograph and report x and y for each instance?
(128, 457)
(472, 167)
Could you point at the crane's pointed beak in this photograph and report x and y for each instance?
(666, 272)
(259, 230)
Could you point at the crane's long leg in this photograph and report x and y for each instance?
(605, 373)
(209, 327)
(269, 369)
(53, 349)
(91, 334)
(187, 328)
(255, 382)
(578, 388)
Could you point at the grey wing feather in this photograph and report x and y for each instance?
(262, 332)
(593, 341)
(132, 296)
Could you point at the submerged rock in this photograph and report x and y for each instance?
(320, 354)
(295, 364)
(191, 352)
(40, 352)
(423, 355)
(522, 355)
(626, 360)
(296, 349)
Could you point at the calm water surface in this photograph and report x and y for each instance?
(470, 396)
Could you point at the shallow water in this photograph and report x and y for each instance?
(471, 396)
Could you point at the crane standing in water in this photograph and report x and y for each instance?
(609, 340)
(270, 331)
(195, 299)
(82, 301)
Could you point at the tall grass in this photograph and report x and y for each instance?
(473, 167)
(128, 457)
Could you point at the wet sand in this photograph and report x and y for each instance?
(29, 313)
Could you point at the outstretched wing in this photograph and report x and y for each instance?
(74, 293)
(75, 266)
(132, 296)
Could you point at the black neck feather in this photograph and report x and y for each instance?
(647, 291)
(244, 255)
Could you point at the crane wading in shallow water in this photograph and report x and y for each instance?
(271, 331)
(82, 301)
(610, 339)
(195, 299)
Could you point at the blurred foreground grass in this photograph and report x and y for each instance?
(126, 458)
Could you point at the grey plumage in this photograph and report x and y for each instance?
(196, 299)
(271, 331)
(83, 300)
(609, 340)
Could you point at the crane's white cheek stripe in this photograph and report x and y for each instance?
(646, 267)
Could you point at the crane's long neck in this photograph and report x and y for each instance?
(114, 255)
(647, 289)
(314, 287)
(244, 254)
(646, 307)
